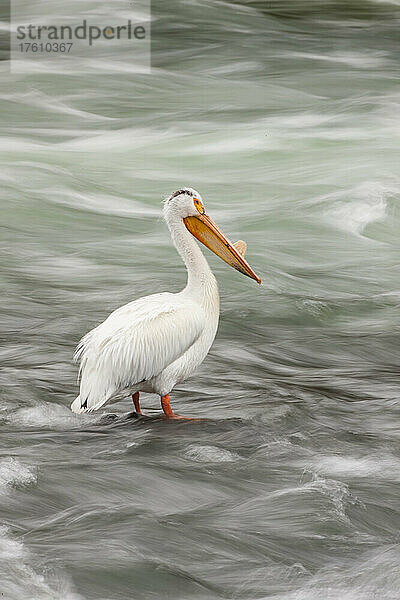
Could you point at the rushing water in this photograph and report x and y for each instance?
(285, 116)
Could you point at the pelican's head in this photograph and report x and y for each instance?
(182, 203)
(186, 204)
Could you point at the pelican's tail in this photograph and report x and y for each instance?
(87, 407)
(76, 406)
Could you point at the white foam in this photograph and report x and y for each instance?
(382, 467)
(376, 575)
(358, 60)
(336, 492)
(14, 474)
(20, 581)
(45, 415)
(101, 203)
(52, 104)
(354, 209)
(210, 454)
(9, 548)
(395, 2)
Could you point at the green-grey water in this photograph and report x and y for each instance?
(285, 116)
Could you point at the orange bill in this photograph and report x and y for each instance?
(208, 233)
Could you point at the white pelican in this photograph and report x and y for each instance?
(153, 343)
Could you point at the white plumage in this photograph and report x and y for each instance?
(155, 342)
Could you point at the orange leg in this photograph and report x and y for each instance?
(166, 406)
(169, 414)
(136, 402)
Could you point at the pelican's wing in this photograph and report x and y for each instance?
(134, 344)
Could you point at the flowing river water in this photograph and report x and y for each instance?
(285, 116)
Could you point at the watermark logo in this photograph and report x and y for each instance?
(97, 36)
(84, 31)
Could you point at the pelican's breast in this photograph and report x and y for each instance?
(183, 367)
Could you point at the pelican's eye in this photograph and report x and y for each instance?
(198, 205)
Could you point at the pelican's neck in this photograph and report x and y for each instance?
(200, 277)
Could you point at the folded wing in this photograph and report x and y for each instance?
(135, 343)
